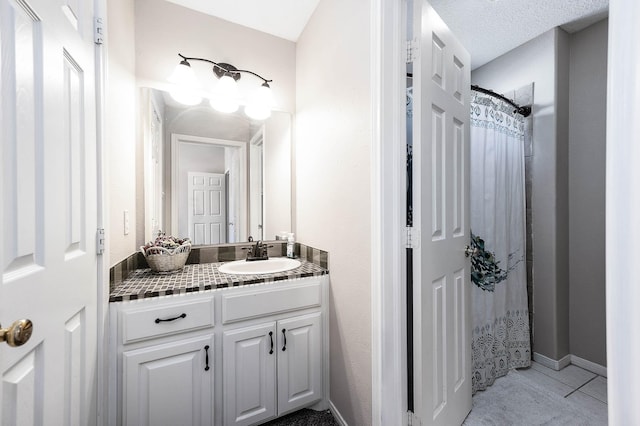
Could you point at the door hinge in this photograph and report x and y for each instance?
(98, 30)
(412, 419)
(412, 50)
(412, 237)
(100, 241)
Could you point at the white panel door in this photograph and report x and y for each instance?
(442, 320)
(207, 208)
(48, 211)
(299, 362)
(249, 377)
(169, 384)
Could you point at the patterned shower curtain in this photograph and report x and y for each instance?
(500, 335)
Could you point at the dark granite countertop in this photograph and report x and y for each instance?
(144, 283)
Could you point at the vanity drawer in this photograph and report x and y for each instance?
(272, 300)
(160, 319)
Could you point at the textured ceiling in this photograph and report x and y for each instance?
(487, 28)
(281, 18)
(490, 28)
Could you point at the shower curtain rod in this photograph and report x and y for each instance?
(525, 111)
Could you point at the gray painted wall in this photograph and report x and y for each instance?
(587, 127)
(562, 194)
(538, 61)
(569, 75)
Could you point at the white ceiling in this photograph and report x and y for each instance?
(490, 28)
(281, 18)
(487, 28)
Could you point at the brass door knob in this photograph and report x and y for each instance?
(18, 333)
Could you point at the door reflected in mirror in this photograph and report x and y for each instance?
(213, 177)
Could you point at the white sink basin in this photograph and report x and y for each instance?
(269, 266)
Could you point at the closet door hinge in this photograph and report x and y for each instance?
(98, 30)
(412, 50)
(412, 419)
(100, 241)
(412, 237)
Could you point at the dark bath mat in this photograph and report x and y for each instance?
(305, 417)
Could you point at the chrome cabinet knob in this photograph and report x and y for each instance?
(18, 333)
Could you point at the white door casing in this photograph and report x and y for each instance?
(622, 211)
(153, 176)
(49, 211)
(388, 212)
(207, 208)
(178, 140)
(256, 187)
(442, 323)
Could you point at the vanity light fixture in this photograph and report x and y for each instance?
(225, 97)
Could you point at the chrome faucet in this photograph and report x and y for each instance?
(258, 252)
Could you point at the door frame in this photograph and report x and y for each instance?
(102, 187)
(176, 140)
(622, 211)
(388, 377)
(155, 197)
(256, 140)
(388, 170)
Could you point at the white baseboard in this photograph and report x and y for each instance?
(336, 414)
(598, 369)
(570, 359)
(552, 363)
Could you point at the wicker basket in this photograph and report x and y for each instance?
(164, 260)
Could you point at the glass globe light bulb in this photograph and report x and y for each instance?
(259, 106)
(225, 98)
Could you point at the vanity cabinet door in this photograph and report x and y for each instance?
(169, 384)
(299, 362)
(249, 374)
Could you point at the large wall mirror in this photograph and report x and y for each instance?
(213, 177)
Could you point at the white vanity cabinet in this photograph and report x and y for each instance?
(272, 368)
(299, 361)
(163, 359)
(169, 384)
(235, 356)
(249, 378)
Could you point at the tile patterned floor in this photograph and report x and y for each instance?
(542, 396)
(305, 417)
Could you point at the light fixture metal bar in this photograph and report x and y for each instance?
(226, 68)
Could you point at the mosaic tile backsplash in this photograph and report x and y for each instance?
(131, 278)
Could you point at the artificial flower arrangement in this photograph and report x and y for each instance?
(166, 253)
